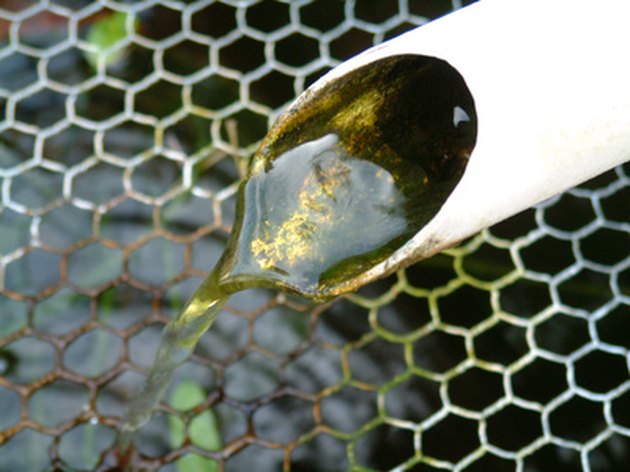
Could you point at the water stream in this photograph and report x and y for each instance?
(332, 191)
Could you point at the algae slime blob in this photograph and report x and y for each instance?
(346, 176)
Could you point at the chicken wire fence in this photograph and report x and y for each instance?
(125, 129)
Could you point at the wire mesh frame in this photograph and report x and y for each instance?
(119, 167)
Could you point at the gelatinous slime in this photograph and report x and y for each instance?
(345, 177)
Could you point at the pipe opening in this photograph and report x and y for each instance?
(350, 173)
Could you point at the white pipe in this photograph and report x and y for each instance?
(551, 84)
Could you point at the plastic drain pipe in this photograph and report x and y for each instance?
(551, 84)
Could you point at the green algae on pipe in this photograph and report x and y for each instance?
(353, 174)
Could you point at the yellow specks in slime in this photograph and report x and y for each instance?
(294, 238)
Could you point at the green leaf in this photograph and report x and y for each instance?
(203, 429)
(104, 34)
(193, 462)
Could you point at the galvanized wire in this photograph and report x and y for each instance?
(119, 164)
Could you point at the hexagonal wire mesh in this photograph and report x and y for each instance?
(125, 129)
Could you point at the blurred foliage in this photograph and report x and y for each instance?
(104, 35)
